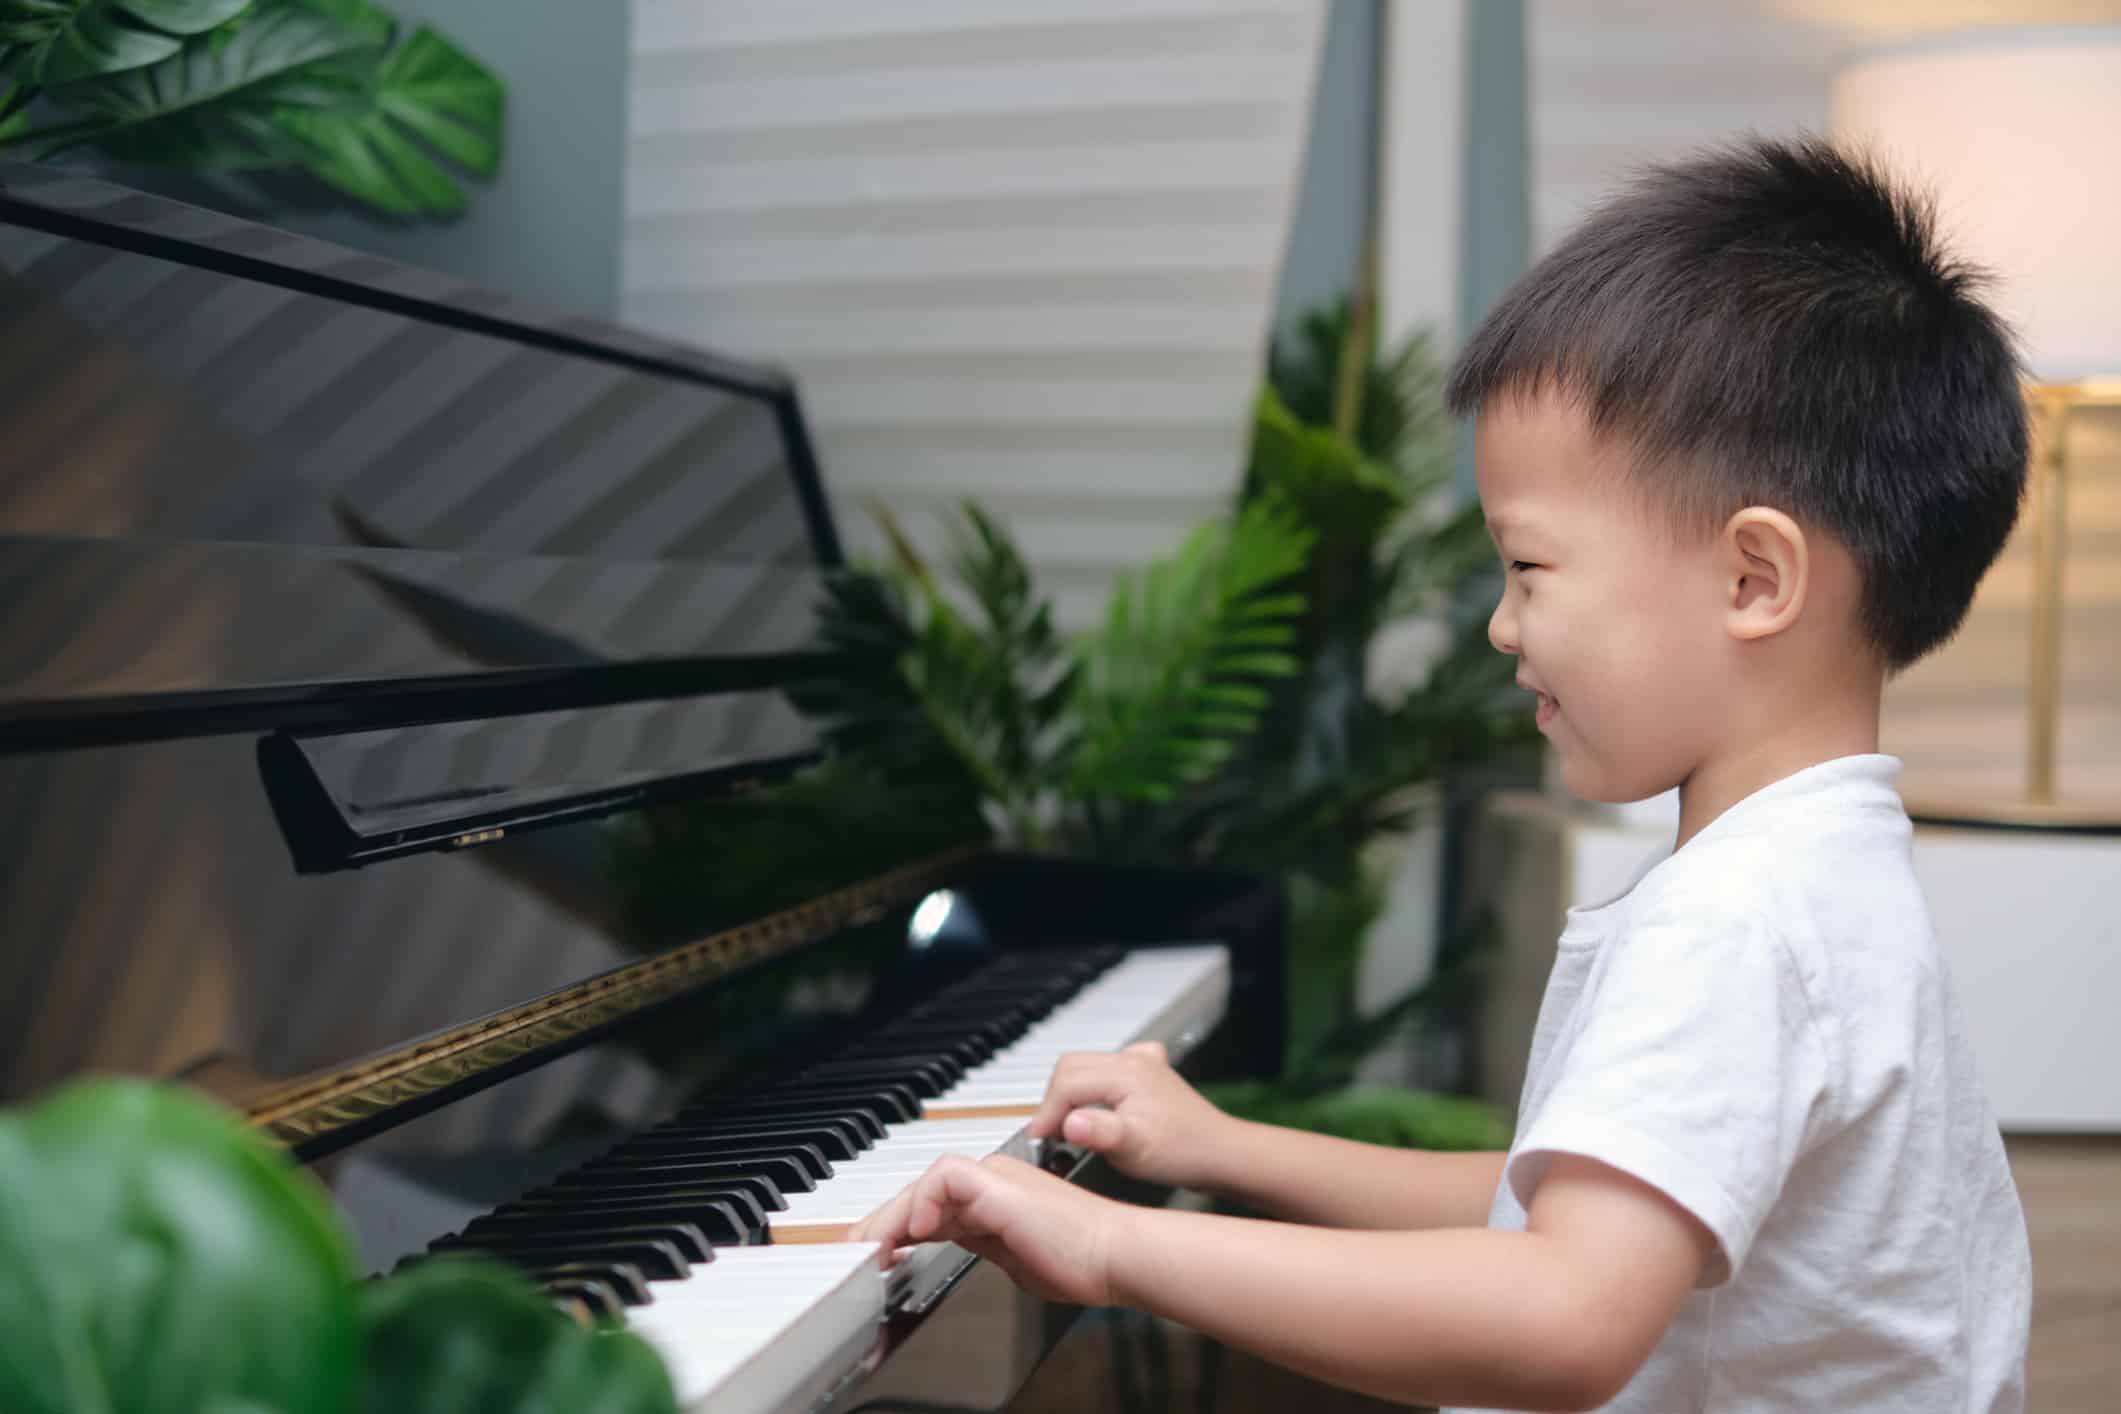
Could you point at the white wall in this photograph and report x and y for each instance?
(1021, 251)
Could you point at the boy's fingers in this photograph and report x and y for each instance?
(1152, 1049)
(1079, 1080)
(950, 1185)
(1098, 1130)
(887, 1225)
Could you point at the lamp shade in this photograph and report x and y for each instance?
(2019, 133)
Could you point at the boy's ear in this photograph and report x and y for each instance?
(1767, 572)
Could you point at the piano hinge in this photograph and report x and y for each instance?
(477, 837)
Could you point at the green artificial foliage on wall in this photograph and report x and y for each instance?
(328, 87)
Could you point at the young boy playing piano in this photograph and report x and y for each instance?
(1745, 442)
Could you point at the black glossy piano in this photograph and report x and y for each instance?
(399, 741)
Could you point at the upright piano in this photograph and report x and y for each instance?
(399, 742)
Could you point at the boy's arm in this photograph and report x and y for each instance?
(1316, 1178)
(1132, 1107)
(1559, 1316)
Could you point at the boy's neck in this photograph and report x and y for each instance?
(1836, 724)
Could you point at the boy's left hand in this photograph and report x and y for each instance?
(1049, 1236)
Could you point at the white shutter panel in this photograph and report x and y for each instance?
(1024, 252)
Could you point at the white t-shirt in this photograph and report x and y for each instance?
(1762, 1029)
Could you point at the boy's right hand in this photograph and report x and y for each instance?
(1134, 1109)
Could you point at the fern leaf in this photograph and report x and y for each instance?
(1168, 684)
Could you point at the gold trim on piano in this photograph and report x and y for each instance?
(316, 1105)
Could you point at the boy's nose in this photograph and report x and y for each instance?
(1502, 627)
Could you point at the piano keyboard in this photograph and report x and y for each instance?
(719, 1235)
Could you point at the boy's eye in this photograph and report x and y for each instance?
(1520, 566)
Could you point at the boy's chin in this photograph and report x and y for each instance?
(1602, 785)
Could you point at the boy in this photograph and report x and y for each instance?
(1745, 443)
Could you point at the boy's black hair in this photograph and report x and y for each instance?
(1775, 324)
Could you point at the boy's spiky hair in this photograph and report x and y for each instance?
(1776, 324)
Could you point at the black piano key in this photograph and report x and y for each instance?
(999, 999)
(865, 1119)
(947, 1026)
(761, 1195)
(936, 1060)
(876, 1119)
(657, 1261)
(994, 1008)
(950, 1060)
(836, 1140)
(926, 1079)
(786, 1175)
(504, 1229)
(723, 1224)
(623, 1278)
(872, 1092)
(764, 1190)
(964, 1054)
(989, 1036)
(896, 1103)
(600, 1300)
(747, 1209)
(659, 1146)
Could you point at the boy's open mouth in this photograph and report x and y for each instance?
(1547, 705)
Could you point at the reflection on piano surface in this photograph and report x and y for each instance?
(397, 732)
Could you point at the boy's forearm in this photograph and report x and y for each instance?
(1467, 1316)
(1316, 1178)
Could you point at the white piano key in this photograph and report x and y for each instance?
(1170, 995)
(859, 1185)
(778, 1327)
(762, 1329)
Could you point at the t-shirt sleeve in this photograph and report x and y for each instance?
(1700, 1071)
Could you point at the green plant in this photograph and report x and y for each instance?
(463, 1337)
(1373, 1114)
(156, 1256)
(1060, 740)
(242, 86)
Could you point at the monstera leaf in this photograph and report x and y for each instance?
(454, 1336)
(215, 102)
(426, 88)
(155, 1256)
(63, 40)
(232, 85)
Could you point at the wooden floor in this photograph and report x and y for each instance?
(2072, 1194)
(2071, 1189)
